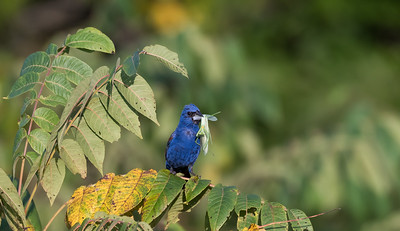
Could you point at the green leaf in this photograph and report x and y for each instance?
(91, 144)
(35, 63)
(90, 39)
(303, 223)
(38, 139)
(221, 202)
(274, 212)
(174, 211)
(100, 122)
(168, 58)
(57, 83)
(52, 49)
(194, 187)
(139, 95)
(73, 156)
(24, 84)
(120, 111)
(12, 206)
(52, 100)
(32, 171)
(75, 69)
(46, 118)
(19, 137)
(247, 207)
(53, 178)
(131, 64)
(165, 189)
(32, 214)
(28, 101)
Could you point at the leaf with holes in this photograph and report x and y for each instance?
(221, 202)
(57, 83)
(139, 95)
(73, 156)
(53, 178)
(11, 203)
(38, 139)
(90, 39)
(165, 189)
(301, 222)
(92, 146)
(168, 58)
(35, 63)
(100, 122)
(131, 64)
(24, 84)
(112, 194)
(272, 212)
(247, 209)
(46, 118)
(120, 111)
(75, 69)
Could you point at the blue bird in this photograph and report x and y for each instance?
(182, 148)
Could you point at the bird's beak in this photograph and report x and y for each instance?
(197, 116)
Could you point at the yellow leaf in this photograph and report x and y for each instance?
(113, 194)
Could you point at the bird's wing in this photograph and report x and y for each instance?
(168, 143)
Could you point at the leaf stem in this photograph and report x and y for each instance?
(55, 214)
(30, 198)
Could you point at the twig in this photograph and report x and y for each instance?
(31, 198)
(55, 214)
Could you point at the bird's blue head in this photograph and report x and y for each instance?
(191, 114)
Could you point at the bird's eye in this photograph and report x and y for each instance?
(190, 114)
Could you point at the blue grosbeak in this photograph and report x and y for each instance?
(182, 148)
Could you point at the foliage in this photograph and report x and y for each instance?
(76, 109)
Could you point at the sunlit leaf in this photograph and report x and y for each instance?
(139, 95)
(46, 118)
(53, 178)
(165, 189)
(247, 208)
(301, 223)
(91, 144)
(91, 39)
(120, 111)
(38, 139)
(168, 58)
(131, 64)
(35, 63)
(12, 206)
(100, 122)
(52, 100)
(75, 69)
(73, 156)
(274, 212)
(194, 187)
(221, 202)
(112, 194)
(57, 83)
(24, 84)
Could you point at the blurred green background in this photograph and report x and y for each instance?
(308, 93)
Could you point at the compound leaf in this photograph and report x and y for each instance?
(272, 212)
(73, 156)
(300, 221)
(53, 178)
(168, 58)
(36, 63)
(57, 83)
(165, 189)
(46, 118)
(221, 202)
(38, 140)
(24, 84)
(75, 69)
(90, 39)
